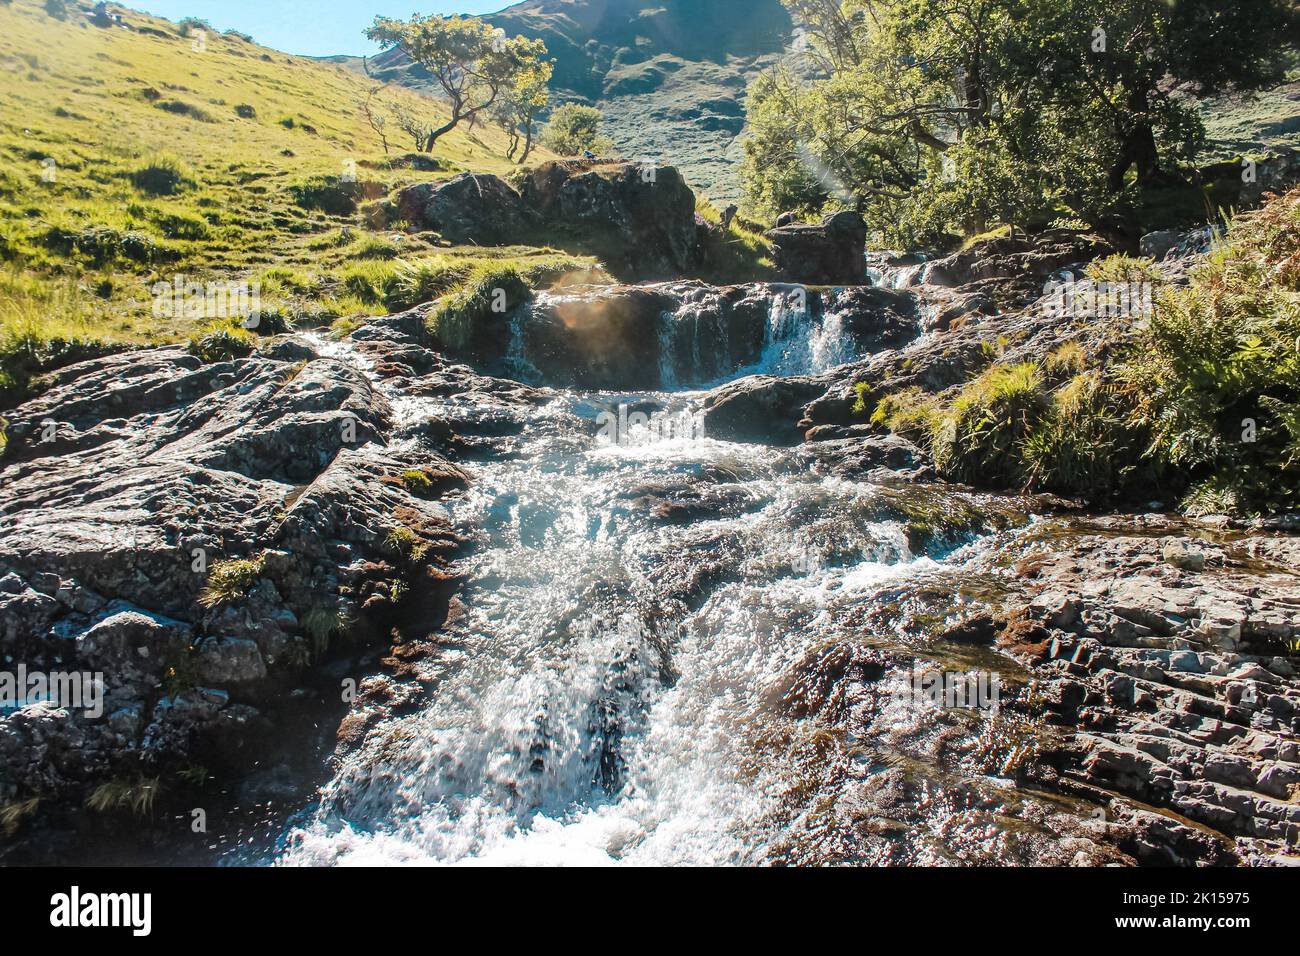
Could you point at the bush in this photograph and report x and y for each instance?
(181, 108)
(574, 129)
(163, 175)
(456, 324)
(245, 111)
(230, 580)
(222, 341)
(1008, 428)
(1217, 370)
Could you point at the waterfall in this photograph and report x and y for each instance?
(800, 343)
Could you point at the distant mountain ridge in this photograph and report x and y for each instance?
(670, 75)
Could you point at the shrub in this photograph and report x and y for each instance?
(222, 341)
(981, 438)
(245, 111)
(1008, 428)
(487, 290)
(181, 108)
(163, 175)
(1217, 370)
(230, 580)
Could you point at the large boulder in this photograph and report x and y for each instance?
(833, 253)
(477, 208)
(639, 219)
(759, 409)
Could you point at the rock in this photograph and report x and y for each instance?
(640, 220)
(229, 661)
(759, 409)
(164, 468)
(867, 458)
(470, 208)
(876, 318)
(1157, 245)
(1179, 555)
(833, 253)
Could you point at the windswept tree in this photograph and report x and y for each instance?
(518, 109)
(473, 64)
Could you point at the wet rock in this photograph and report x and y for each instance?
(866, 457)
(1158, 674)
(163, 469)
(759, 409)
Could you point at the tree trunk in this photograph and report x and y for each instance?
(1140, 151)
(528, 144)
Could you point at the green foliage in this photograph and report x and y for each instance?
(137, 795)
(574, 129)
(222, 341)
(162, 175)
(933, 117)
(1123, 269)
(423, 280)
(322, 625)
(1218, 368)
(489, 291)
(406, 544)
(1009, 428)
(231, 580)
(416, 482)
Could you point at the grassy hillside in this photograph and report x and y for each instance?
(134, 153)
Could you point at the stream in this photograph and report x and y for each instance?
(629, 688)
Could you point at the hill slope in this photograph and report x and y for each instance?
(136, 152)
(670, 75)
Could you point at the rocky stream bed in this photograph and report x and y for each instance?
(475, 628)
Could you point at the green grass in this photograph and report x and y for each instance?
(137, 795)
(228, 581)
(128, 158)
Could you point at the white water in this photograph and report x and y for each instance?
(585, 714)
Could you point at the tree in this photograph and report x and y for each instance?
(929, 115)
(472, 64)
(518, 109)
(575, 129)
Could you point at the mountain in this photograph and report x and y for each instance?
(669, 75)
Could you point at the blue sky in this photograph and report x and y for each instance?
(308, 27)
